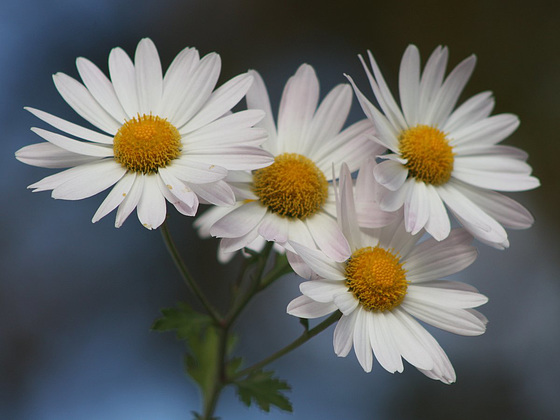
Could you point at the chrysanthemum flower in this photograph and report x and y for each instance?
(439, 155)
(292, 199)
(163, 138)
(386, 281)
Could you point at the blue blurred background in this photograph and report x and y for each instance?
(77, 299)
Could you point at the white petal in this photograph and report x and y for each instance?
(431, 80)
(71, 128)
(240, 221)
(383, 344)
(101, 88)
(151, 206)
(196, 172)
(123, 76)
(416, 208)
(178, 188)
(297, 107)
(488, 131)
(320, 263)
(328, 236)
(405, 335)
(472, 110)
(257, 99)
(218, 193)
(130, 201)
(438, 224)
(342, 338)
(47, 155)
(221, 101)
(115, 196)
(175, 82)
(74, 146)
(305, 307)
(274, 228)
(100, 176)
(322, 290)
(79, 98)
(390, 174)
(409, 84)
(346, 302)
(149, 79)
(444, 297)
(362, 344)
(235, 158)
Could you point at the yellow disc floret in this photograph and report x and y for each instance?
(376, 277)
(429, 155)
(292, 186)
(146, 143)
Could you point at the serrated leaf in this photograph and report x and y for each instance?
(184, 320)
(264, 390)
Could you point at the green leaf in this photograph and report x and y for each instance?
(203, 363)
(264, 390)
(185, 320)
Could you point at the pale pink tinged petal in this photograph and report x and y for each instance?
(123, 76)
(409, 84)
(71, 128)
(130, 201)
(80, 99)
(488, 131)
(345, 302)
(99, 177)
(177, 187)
(383, 95)
(506, 211)
(74, 146)
(151, 206)
(298, 232)
(257, 98)
(115, 197)
(101, 88)
(195, 172)
(444, 297)
(432, 260)
(447, 96)
(387, 135)
(396, 237)
(149, 78)
(383, 344)
(274, 228)
(394, 200)
(350, 146)
(370, 216)
(417, 208)
(236, 158)
(229, 130)
(347, 219)
(469, 112)
(362, 345)
(47, 155)
(431, 80)
(328, 120)
(457, 321)
(221, 101)
(322, 290)
(198, 89)
(304, 307)
(218, 193)
(405, 334)
(297, 107)
(343, 333)
(503, 181)
(180, 206)
(438, 224)
(240, 221)
(392, 175)
(320, 263)
(250, 240)
(472, 217)
(492, 163)
(509, 152)
(367, 187)
(328, 236)
(175, 82)
(299, 266)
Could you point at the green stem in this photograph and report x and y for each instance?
(185, 273)
(306, 336)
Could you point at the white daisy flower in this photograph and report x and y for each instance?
(386, 281)
(169, 137)
(292, 199)
(439, 155)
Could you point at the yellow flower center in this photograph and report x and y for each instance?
(292, 186)
(429, 155)
(146, 143)
(377, 279)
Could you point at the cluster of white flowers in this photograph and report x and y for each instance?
(358, 241)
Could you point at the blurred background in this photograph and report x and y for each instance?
(77, 299)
